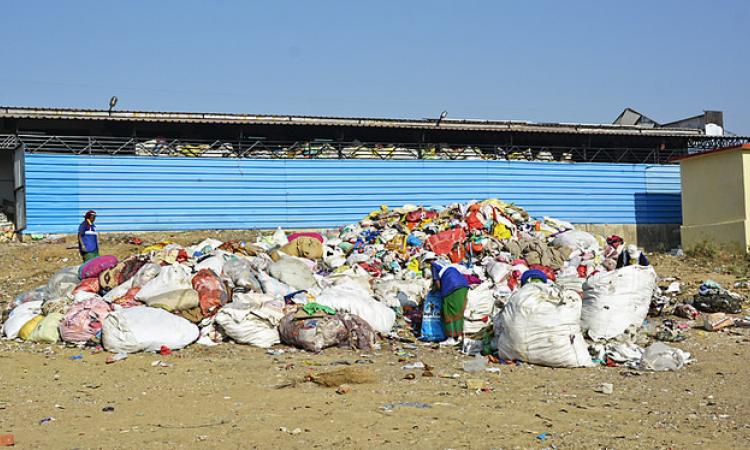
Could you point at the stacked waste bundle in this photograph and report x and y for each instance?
(344, 287)
(7, 229)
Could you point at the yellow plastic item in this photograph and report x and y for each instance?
(28, 327)
(157, 246)
(413, 265)
(47, 331)
(500, 231)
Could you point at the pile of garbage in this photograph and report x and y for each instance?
(539, 290)
(7, 229)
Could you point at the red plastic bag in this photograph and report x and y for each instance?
(212, 294)
(88, 285)
(442, 243)
(547, 271)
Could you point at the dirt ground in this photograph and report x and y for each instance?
(234, 396)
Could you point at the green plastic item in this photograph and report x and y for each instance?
(312, 307)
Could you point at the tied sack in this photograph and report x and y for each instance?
(304, 247)
(351, 297)
(212, 293)
(170, 278)
(83, 321)
(252, 324)
(143, 328)
(93, 268)
(122, 272)
(294, 272)
(179, 300)
(48, 330)
(540, 325)
(322, 330)
(613, 301)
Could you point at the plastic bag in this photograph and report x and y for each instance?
(540, 325)
(142, 328)
(432, 318)
(613, 301)
(211, 292)
(660, 357)
(37, 294)
(62, 283)
(240, 273)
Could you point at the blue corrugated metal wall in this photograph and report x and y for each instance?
(142, 193)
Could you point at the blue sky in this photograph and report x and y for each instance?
(580, 61)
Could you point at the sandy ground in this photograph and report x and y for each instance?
(234, 396)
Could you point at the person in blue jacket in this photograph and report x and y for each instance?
(453, 288)
(88, 239)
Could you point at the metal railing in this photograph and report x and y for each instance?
(261, 148)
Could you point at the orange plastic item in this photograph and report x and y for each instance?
(7, 440)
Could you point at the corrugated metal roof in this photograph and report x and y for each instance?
(711, 152)
(151, 194)
(266, 119)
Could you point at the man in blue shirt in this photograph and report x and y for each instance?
(88, 240)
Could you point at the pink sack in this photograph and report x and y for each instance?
(309, 234)
(84, 320)
(93, 268)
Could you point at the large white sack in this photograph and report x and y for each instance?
(498, 271)
(294, 272)
(398, 293)
(352, 298)
(612, 301)
(257, 325)
(214, 262)
(170, 278)
(574, 239)
(480, 304)
(142, 328)
(540, 324)
(19, 316)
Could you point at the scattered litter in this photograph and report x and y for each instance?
(389, 407)
(111, 359)
(108, 409)
(605, 388)
(412, 366)
(46, 420)
(7, 440)
(717, 321)
(160, 363)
